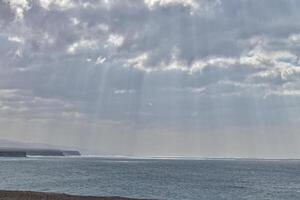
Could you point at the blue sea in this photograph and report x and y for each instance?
(155, 179)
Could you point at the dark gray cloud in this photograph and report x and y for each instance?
(163, 65)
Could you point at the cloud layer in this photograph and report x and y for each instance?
(189, 68)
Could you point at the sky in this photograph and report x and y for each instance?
(205, 78)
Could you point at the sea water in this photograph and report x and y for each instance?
(155, 179)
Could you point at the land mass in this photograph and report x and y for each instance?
(25, 152)
(22, 149)
(24, 195)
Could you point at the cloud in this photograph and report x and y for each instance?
(191, 3)
(150, 64)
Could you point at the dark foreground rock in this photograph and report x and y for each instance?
(18, 195)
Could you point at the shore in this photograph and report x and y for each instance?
(25, 195)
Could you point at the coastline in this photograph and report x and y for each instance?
(28, 195)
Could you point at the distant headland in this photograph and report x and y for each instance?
(19, 195)
(25, 152)
(10, 148)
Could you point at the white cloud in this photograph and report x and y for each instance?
(16, 39)
(100, 60)
(19, 7)
(290, 73)
(283, 93)
(124, 91)
(19, 53)
(73, 115)
(192, 3)
(63, 4)
(138, 61)
(82, 45)
(8, 92)
(75, 21)
(116, 40)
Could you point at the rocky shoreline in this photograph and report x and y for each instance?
(26, 195)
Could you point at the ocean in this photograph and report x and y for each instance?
(155, 179)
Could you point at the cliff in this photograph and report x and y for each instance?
(12, 153)
(15, 152)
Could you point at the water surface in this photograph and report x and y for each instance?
(155, 179)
